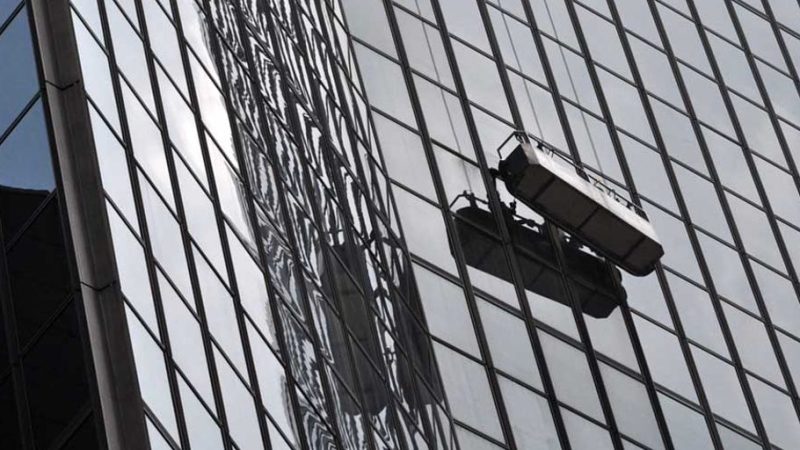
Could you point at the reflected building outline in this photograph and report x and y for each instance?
(284, 224)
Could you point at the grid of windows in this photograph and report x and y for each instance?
(689, 108)
(269, 297)
(281, 181)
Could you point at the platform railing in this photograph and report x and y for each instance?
(522, 136)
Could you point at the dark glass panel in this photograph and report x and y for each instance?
(26, 174)
(9, 426)
(54, 401)
(85, 437)
(4, 362)
(38, 271)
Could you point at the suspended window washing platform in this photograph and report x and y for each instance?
(594, 282)
(565, 194)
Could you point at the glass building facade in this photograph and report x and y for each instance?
(239, 224)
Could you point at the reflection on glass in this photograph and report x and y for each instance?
(132, 269)
(687, 428)
(446, 310)
(467, 389)
(509, 343)
(239, 407)
(19, 80)
(530, 416)
(585, 434)
(631, 406)
(56, 401)
(722, 388)
(152, 374)
(204, 433)
(186, 340)
(113, 168)
(571, 376)
(25, 153)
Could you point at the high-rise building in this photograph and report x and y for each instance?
(292, 224)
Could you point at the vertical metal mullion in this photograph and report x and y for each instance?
(272, 297)
(549, 75)
(739, 369)
(294, 123)
(332, 160)
(691, 233)
(793, 74)
(6, 314)
(182, 223)
(448, 221)
(496, 208)
(771, 333)
(351, 246)
(678, 327)
(628, 177)
(221, 224)
(583, 331)
(142, 223)
(326, 389)
(429, 427)
(374, 219)
(790, 269)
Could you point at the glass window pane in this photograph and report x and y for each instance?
(378, 73)
(239, 408)
(632, 408)
(723, 388)
(665, 358)
(96, 73)
(405, 157)
(778, 414)
(113, 168)
(204, 433)
(272, 383)
(509, 343)
(570, 372)
(25, 154)
(152, 374)
(753, 344)
(133, 277)
(446, 310)
(186, 340)
(687, 428)
(19, 80)
(697, 314)
(468, 391)
(220, 313)
(529, 414)
(56, 401)
(585, 435)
